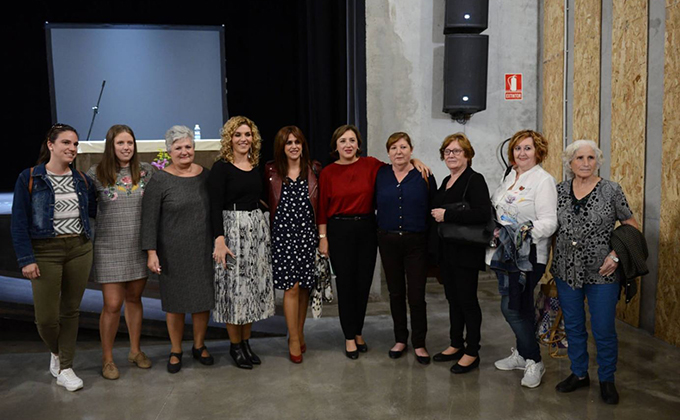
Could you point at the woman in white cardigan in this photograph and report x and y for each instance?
(526, 199)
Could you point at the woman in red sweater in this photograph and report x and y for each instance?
(347, 229)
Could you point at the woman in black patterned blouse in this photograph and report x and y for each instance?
(584, 264)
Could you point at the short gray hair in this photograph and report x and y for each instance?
(570, 151)
(178, 132)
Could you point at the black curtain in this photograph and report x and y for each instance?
(299, 62)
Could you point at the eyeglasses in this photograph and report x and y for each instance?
(455, 152)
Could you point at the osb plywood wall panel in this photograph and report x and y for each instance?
(587, 26)
(629, 109)
(668, 284)
(553, 84)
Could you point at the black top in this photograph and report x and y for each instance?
(477, 196)
(228, 185)
(405, 205)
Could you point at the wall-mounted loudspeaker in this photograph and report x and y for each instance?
(465, 68)
(466, 16)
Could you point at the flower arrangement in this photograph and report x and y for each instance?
(161, 160)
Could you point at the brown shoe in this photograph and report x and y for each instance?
(110, 371)
(140, 360)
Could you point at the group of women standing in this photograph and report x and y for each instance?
(171, 222)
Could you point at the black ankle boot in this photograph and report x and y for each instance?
(608, 392)
(249, 352)
(240, 358)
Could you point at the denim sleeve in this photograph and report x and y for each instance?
(91, 197)
(21, 221)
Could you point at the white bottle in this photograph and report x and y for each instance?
(197, 132)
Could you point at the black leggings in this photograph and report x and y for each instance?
(353, 248)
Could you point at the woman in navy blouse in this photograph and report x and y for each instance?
(403, 202)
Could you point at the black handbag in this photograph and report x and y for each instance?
(477, 234)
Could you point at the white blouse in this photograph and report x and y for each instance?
(533, 197)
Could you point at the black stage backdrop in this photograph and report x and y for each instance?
(288, 62)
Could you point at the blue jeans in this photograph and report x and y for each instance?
(602, 299)
(523, 322)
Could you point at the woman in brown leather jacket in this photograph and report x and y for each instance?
(293, 197)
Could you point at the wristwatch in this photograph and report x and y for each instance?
(615, 259)
(323, 235)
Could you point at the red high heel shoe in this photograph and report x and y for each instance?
(303, 348)
(293, 358)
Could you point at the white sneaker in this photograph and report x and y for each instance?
(514, 361)
(54, 364)
(533, 374)
(68, 379)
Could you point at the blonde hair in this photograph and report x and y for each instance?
(227, 132)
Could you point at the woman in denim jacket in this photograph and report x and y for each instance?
(51, 237)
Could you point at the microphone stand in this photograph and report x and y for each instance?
(95, 110)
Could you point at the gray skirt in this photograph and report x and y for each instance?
(244, 293)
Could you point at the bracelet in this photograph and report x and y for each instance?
(322, 235)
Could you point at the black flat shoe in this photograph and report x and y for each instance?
(609, 393)
(572, 383)
(423, 360)
(240, 358)
(352, 354)
(175, 367)
(198, 355)
(363, 348)
(441, 357)
(249, 352)
(397, 354)
(465, 369)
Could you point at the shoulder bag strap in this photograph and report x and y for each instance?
(466, 186)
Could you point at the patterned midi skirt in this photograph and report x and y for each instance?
(244, 292)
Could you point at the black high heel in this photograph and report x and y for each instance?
(240, 358)
(249, 352)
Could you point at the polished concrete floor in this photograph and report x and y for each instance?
(327, 385)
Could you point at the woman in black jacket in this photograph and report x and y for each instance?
(460, 263)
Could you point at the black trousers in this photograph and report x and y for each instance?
(404, 259)
(460, 287)
(353, 248)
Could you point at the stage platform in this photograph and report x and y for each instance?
(16, 302)
(16, 296)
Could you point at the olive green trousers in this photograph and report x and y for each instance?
(64, 265)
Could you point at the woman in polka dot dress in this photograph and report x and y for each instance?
(293, 197)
